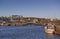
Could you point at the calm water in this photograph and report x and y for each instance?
(27, 32)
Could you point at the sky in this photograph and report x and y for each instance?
(31, 8)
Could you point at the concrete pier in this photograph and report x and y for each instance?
(57, 29)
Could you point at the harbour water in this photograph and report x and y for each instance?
(26, 32)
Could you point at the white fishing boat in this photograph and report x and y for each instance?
(49, 28)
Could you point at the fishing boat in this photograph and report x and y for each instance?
(49, 28)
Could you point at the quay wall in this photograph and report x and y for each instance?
(57, 29)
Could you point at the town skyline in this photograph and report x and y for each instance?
(27, 17)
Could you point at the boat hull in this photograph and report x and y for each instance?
(49, 30)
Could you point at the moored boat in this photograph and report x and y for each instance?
(49, 28)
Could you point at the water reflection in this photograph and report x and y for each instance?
(50, 36)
